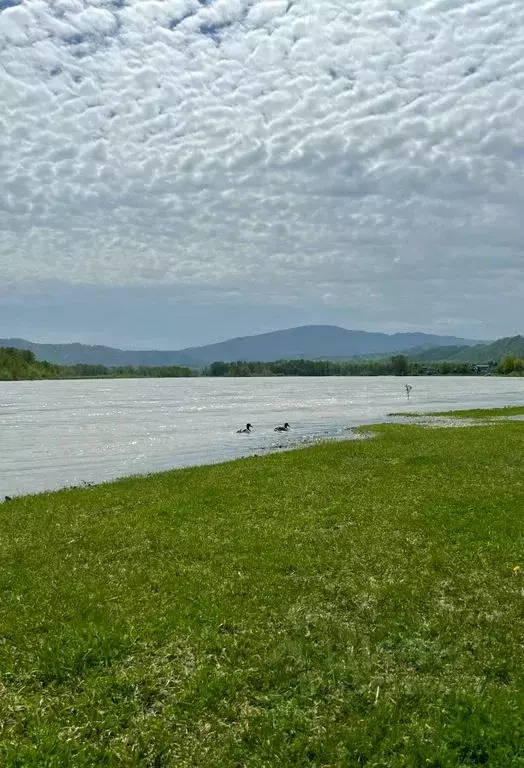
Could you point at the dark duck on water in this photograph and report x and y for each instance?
(282, 429)
(245, 431)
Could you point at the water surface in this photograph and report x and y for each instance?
(59, 433)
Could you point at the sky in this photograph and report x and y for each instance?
(177, 172)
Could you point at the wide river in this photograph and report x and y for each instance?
(60, 433)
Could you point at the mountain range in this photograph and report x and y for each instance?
(305, 342)
(476, 353)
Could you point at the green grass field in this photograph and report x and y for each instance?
(349, 604)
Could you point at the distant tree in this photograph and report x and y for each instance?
(27, 355)
(507, 364)
(218, 369)
(510, 364)
(399, 365)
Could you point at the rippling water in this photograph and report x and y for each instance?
(58, 433)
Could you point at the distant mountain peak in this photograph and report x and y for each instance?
(305, 342)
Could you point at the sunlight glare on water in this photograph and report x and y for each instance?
(60, 433)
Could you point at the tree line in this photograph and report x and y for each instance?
(397, 365)
(20, 364)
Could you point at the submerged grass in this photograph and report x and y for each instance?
(349, 604)
(471, 413)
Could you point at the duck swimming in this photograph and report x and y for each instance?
(246, 430)
(282, 429)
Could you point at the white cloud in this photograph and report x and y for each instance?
(352, 149)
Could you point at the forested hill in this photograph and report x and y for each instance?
(307, 342)
(110, 357)
(478, 353)
(21, 364)
(315, 342)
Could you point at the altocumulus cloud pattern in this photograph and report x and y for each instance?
(336, 144)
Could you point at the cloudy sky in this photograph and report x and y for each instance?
(175, 172)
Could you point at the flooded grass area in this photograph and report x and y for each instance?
(460, 418)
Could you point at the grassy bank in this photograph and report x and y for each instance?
(349, 604)
(484, 413)
(470, 413)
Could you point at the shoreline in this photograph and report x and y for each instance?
(432, 420)
(298, 445)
